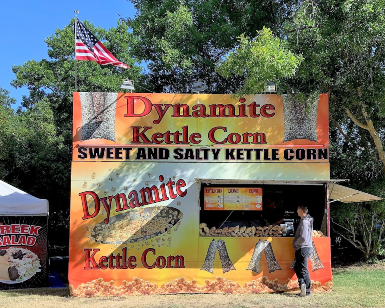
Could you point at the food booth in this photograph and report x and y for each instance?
(197, 193)
(23, 239)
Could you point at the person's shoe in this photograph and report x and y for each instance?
(303, 290)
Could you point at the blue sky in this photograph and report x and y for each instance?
(26, 23)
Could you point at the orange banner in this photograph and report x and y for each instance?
(135, 200)
(198, 128)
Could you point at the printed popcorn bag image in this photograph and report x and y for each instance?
(300, 118)
(98, 112)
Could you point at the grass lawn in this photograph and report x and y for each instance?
(352, 287)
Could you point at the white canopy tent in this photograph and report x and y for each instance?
(14, 201)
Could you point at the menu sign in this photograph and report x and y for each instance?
(252, 199)
(213, 198)
(233, 198)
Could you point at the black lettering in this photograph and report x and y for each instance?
(323, 154)
(230, 154)
(178, 154)
(82, 153)
(96, 152)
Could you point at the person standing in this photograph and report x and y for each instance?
(302, 244)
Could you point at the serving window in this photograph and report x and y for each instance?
(229, 210)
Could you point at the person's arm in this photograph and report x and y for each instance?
(303, 231)
(279, 221)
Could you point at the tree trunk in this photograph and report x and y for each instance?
(373, 133)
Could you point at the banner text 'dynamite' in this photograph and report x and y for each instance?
(123, 202)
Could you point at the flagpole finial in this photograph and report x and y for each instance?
(76, 12)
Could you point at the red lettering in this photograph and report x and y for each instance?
(259, 138)
(91, 259)
(193, 138)
(170, 184)
(119, 207)
(242, 110)
(181, 183)
(24, 229)
(161, 112)
(133, 101)
(160, 262)
(22, 240)
(199, 111)
(6, 241)
(31, 241)
(5, 229)
(86, 213)
(134, 202)
(222, 110)
(185, 134)
(118, 258)
(246, 136)
(132, 262)
(13, 240)
(107, 206)
(167, 136)
(252, 110)
(102, 260)
(231, 140)
(136, 134)
(156, 137)
(179, 262)
(169, 261)
(186, 110)
(144, 261)
(15, 229)
(124, 261)
(212, 132)
(148, 191)
(163, 188)
(264, 110)
(111, 259)
(34, 230)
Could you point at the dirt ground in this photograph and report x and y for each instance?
(353, 286)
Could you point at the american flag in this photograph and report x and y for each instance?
(88, 47)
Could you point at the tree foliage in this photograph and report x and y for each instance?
(363, 224)
(259, 60)
(181, 41)
(53, 78)
(314, 46)
(37, 154)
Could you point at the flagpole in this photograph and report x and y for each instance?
(76, 65)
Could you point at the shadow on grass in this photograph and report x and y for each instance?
(58, 292)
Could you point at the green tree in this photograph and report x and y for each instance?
(53, 78)
(363, 224)
(31, 156)
(6, 124)
(181, 41)
(262, 59)
(40, 149)
(343, 52)
(342, 46)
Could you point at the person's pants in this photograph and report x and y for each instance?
(300, 268)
